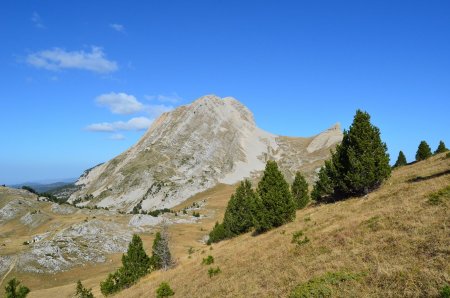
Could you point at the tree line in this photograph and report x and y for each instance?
(358, 165)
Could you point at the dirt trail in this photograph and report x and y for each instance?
(11, 267)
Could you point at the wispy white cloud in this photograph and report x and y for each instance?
(165, 98)
(117, 137)
(157, 110)
(118, 27)
(137, 123)
(57, 59)
(37, 20)
(120, 103)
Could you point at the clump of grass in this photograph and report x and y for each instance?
(373, 223)
(208, 260)
(297, 238)
(213, 271)
(191, 250)
(322, 286)
(438, 197)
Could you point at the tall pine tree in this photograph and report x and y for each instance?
(300, 191)
(441, 148)
(359, 164)
(275, 205)
(238, 216)
(423, 151)
(401, 160)
(135, 264)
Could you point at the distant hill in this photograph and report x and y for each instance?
(45, 187)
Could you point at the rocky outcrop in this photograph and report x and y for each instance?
(192, 149)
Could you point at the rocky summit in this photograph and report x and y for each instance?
(193, 148)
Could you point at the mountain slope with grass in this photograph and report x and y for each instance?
(394, 242)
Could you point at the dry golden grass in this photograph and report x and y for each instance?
(396, 240)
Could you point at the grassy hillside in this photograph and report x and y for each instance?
(395, 242)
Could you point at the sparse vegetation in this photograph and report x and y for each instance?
(82, 292)
(438, 197)
(298, 239)
(208, 260)
(358, 166)
(15, 290)
(423, 151)
(164, 290)
(213, 271)
(300, 191)
(322, 286)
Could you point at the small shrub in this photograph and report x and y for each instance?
(213, 271)
(191, 250)
(164, 290)
(14, 290)
(195, 214)
(82, 292)
(445, 292)
(208, 260)
(25, 243)
(297, 238)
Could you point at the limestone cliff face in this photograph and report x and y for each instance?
(192, 149)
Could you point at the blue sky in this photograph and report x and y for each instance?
(81, 80)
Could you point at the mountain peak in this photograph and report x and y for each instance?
(193, 148)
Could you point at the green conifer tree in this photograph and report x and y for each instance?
(441, 148)
(401, 160)
(218, 233)
(238, 216)
(324, 188)
(423, 151)
(14, 290)
(275, 205)
(359, 164)
(300, 191)
(135, 262)
(155, 260)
